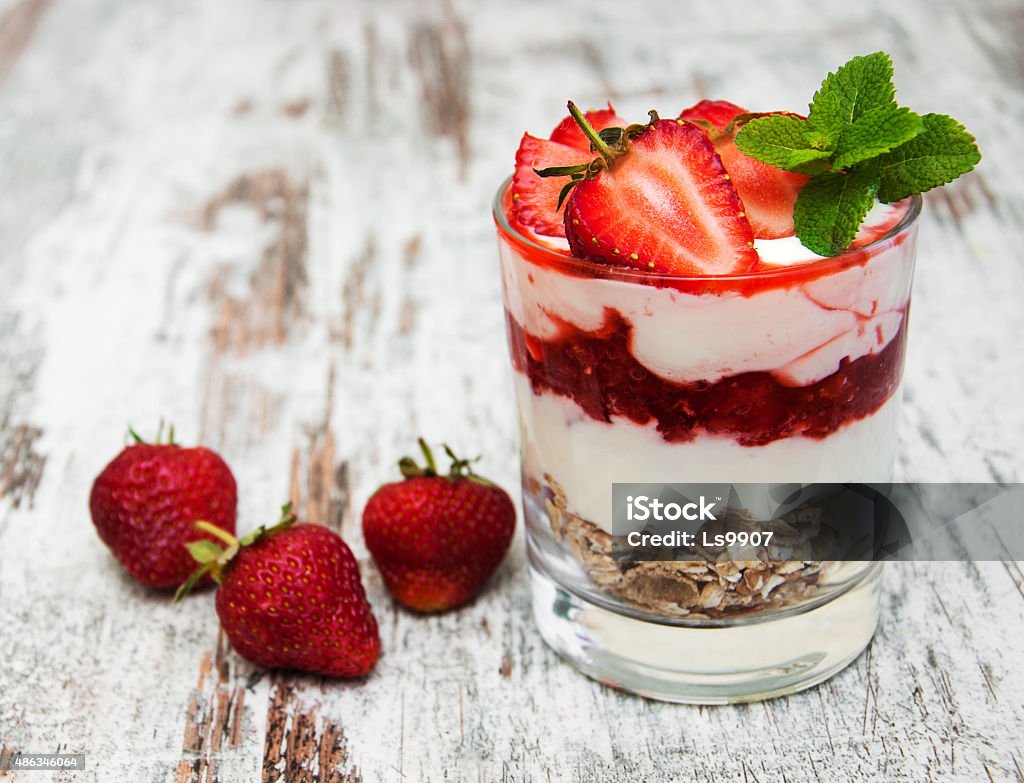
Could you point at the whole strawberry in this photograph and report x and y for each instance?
(290, 598)
(145, 501)
(437, 539)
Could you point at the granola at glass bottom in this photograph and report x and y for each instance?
(719, 586)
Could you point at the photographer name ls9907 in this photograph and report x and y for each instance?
(679, 538)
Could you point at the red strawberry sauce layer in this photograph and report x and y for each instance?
(598, 372)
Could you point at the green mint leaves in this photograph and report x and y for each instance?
(940, 153)
(831, 207)
(877, 131)
(856, 145)
(786, 142)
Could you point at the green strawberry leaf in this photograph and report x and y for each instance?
(196, 575)
(831, 207)
(204, 551)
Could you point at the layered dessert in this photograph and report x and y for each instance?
(694, 339)
(713, 305)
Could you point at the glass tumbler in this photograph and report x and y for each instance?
(787, 375)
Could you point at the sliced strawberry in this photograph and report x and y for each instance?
(767, 193)
(665, 205)
(717, 113)
(535, 199)
(568, 132)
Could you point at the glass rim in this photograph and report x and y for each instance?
(850, 257)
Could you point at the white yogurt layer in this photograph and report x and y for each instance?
(800, 333)
(585, 456)
(789, 251)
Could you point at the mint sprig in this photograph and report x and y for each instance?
(940, 153)
(857, 144)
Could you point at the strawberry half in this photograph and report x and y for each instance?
(718, 114)
(767, 193)
(568, 130)
(663, 202)
(535, 200)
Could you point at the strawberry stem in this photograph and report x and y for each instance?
(159, 441)
(288, 519)
(213, 560)
(460, 468)
(592, 135)
(428, 455)
(219, 532)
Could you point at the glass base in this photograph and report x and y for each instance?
(749, 661)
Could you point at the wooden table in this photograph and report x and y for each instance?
(269, 222)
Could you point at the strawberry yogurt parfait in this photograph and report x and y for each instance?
(680, 310)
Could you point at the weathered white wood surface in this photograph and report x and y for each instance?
(269, 222)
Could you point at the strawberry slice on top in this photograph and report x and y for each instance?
(569, 132)
(658, 199)
(535, 199)
(717, 114)
(768, 193)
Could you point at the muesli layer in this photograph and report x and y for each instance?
(711, 588)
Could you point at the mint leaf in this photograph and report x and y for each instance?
(855, 126)
(780, 140)
(876, 131)
(830, 208)
(860, 85)
(940, 153)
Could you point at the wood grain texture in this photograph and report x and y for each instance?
(17, 25)
(269, 222)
